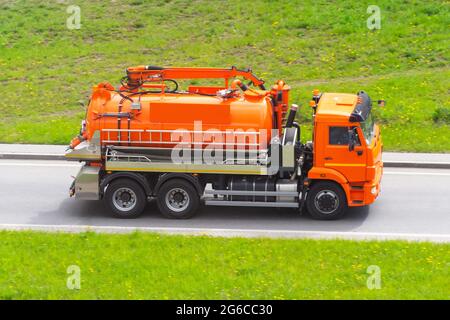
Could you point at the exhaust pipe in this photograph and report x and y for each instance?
(291, 117)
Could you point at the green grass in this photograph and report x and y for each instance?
(150, 266)
(47, 69)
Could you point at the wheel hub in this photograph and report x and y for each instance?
(124, 199)
(177, 199)
(326, 201)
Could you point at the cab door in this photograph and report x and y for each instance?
(337, 156)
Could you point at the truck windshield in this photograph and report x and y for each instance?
(367, 128)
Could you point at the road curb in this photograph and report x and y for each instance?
(31, 156)
(387, 164)
(233, 233)
(424, 165)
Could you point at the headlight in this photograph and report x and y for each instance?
(374, 190)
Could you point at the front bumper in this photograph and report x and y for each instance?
(372, 189)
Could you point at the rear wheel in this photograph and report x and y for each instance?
(125, 198)
(326, 201)
(178, 199)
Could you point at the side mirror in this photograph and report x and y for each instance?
(351, 139)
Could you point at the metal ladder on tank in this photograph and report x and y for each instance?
(137, 137)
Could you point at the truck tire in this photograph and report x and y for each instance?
(326, 201)
(177, 199)
(125, 198)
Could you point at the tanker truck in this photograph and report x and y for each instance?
(185, 137)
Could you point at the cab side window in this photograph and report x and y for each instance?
(339, 136)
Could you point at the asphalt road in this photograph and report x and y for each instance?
(414, 204)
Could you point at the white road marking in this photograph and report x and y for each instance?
(418, 162)
(250, 233)
(39, 164)
(416, 173)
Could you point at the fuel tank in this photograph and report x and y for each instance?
(144, 119)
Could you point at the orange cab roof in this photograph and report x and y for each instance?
(338, 106)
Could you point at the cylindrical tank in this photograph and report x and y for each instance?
(150, 118)
(261, 183)
(251, 183)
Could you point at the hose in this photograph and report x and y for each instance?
(130, 89)
(238, 83)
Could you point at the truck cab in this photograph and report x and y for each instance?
(347, 148)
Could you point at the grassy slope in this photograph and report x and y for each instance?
(33, 265)
(46, 69)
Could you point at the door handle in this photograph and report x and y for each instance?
(328, 158)
(359, 152)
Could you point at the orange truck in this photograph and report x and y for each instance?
(218, 136)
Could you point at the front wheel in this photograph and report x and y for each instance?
(125, 198)
(326, 201)
(178, 199)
